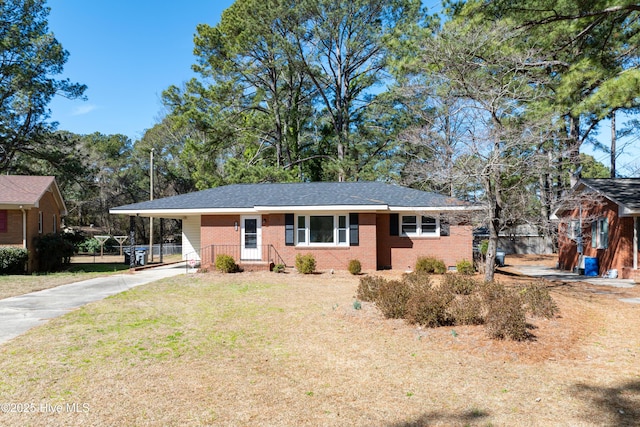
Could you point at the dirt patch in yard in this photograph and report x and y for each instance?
(289, 349)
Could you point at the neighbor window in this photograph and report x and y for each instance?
(424, 226)
(322, 230)
(40, 222)
(600, 233)
(574, 229)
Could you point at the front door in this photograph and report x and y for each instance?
(251, 238)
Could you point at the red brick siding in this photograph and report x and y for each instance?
(219, 230)
(619, 253)
(376, 249)
(13, 236)
(327, 257)
(401, 253)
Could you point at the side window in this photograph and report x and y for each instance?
(429, 225)
(40, 222)
(409, 225)
(302, 229)
(600, 233)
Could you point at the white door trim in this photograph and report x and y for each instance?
(250, 240)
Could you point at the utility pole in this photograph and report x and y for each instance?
(151, 198)
(613, 144)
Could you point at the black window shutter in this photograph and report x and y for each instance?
(444, 226)
(288, 230)
(394, 224)
(354, 236)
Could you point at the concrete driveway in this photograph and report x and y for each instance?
(21, 313)
(553, 274)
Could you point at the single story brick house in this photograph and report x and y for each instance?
(381, 225)
(29, 206)
(603, 224)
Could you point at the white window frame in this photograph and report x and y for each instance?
(303, 235)
(600, 240)
(574, 230)
(420, 232)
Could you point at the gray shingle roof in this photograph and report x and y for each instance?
(242, 196)
(624, 191)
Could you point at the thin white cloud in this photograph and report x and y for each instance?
(83, 109)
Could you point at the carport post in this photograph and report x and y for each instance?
(132, 242)
(161, 237)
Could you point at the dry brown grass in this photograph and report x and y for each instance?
(289, 349)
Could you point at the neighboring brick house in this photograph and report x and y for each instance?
(29, 206)
(604, 225)
(381, 225)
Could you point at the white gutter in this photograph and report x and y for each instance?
(323, 208)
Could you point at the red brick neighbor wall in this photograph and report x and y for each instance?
(401, 253)
(13, 236)
(619, 253)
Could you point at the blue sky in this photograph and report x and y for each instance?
(127, 52)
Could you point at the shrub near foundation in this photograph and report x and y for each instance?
(355, 267)
(226, 264)
(465, 267)
(13, 260)
(430, 265)
(305, 264)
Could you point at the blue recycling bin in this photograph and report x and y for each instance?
(591, 266)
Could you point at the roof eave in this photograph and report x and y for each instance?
(178, 213)
(18, 205)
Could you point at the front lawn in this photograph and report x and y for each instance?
(286, 349)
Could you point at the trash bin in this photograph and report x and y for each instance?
(591, 266)
(127, 256)
(142, 256)
(500, 254)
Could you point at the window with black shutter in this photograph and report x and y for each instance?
(394, 224)
(288, 230)
(354, 230)
(444, 226)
